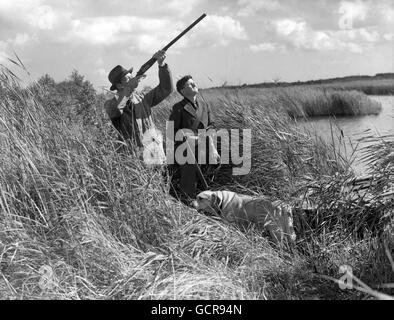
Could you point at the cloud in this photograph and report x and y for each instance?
(35, 13)
(18, 5)
(43, 17)
(387, 14)
(168, 7)
(148, 34)
(388, 36)
(365, 13)
(21, 39)
(110, 30)
(287, 26)
(368, 36)
(298, 34)
(143, 34)
(146, 8)
(265, 46)
(217, 30)
(251, 7)
(181, 7)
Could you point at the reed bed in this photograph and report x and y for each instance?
(380, 84)
(370, 87)
(82, 218)
(303, 101)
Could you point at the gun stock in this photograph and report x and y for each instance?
(151, 61)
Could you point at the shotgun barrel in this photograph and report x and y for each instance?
(152, 60)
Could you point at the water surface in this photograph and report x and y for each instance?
(349, 131)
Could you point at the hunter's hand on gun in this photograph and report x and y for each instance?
(160, 56)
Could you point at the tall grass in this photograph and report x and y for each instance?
(99, 225)
(104, 224)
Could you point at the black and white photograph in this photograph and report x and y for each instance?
(194, 157)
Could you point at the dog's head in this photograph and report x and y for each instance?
(208, 201)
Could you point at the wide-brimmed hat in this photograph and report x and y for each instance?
(116, 74)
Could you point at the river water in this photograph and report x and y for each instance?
(350, 131)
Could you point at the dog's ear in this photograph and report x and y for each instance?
(215, 201)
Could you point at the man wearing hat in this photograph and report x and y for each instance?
(129, 111)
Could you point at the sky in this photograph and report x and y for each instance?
(239, 42)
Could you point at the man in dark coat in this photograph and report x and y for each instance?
(192, 114)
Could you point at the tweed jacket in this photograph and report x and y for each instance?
(132, 116)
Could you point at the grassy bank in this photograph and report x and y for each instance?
(101, 226)
(300, 101)
(371, 87)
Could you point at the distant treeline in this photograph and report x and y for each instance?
(379, 84)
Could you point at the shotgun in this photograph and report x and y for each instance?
(151, 61)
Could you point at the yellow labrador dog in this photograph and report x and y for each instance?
(275, 216)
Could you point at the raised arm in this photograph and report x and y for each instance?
(165, 87)
(163, 90)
